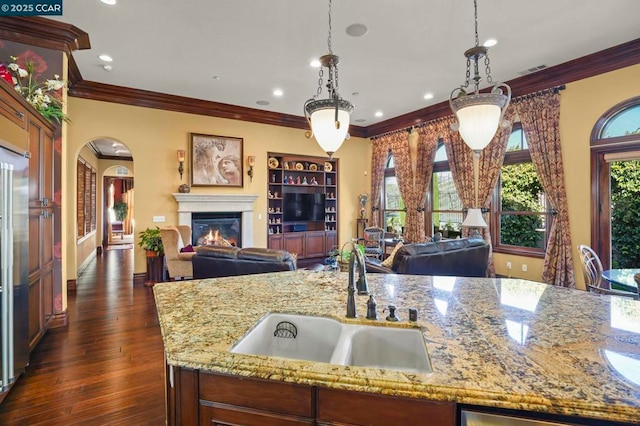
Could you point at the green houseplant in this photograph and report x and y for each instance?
(150, 241)
(120, 210)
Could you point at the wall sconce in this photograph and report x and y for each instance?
(181, 162)
(251, 161)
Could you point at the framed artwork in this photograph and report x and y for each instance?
(215, 160)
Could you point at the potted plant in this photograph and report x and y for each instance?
(120, 210)
(150, 241)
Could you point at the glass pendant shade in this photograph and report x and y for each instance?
(478, 124)
(474, 219)
(323, 124)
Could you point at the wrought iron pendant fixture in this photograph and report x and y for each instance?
(479, 114)
(328, 118)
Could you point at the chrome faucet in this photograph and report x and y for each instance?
(361, 285)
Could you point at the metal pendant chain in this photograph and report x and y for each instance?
(329, 37)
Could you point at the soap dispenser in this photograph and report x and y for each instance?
(372, 313)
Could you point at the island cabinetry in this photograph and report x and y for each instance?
(302, 204)
(205, 398)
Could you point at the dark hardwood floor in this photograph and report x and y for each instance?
(106, 367)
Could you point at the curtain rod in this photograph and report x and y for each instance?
(554, 89)
(410, 128)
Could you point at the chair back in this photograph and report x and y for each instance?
(592, 269)
(373, 242)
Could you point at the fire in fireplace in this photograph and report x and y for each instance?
(213, 228)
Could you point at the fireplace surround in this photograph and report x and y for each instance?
(219, 203)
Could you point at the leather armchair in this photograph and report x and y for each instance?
(173, 240)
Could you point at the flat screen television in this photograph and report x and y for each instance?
(303, 207)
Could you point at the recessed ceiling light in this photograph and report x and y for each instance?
(490, 42)
(216, 77)
(278, 92)
(355, 94)
(109, 2)
(105, 57)
(263, 103)
(315, 63)
(378, 114)
(428, 95)
(107, 67)
(357, 30)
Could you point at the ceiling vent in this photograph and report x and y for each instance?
(532, 70)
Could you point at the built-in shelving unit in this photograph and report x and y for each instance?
(312, 232)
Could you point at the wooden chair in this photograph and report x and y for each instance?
(592, 269)
(178, 264)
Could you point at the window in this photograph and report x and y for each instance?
(445, 214)
(446, 206)
(521, 214)
(394, 212)
(86, 198)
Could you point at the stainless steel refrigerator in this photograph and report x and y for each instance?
(14, 251)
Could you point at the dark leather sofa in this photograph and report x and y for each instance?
(216, 261)
(465, 257)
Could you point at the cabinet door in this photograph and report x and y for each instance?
(315, 244)
(294, 243)
(224, 416)
(331, 240)
(275, 242)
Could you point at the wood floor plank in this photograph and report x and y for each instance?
(106, 367)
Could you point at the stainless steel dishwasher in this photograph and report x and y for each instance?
(475, 418)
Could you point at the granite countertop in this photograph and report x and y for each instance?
(493, 342)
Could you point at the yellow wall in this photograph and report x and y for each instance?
(153, 136)
(581, 104)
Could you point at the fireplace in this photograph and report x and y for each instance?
(217, 228)
(242, 204)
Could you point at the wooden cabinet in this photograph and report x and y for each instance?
(204, 398)
(302, 204)
(41, 228)
(24, 127)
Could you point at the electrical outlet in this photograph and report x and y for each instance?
(524, 267)
(508, 265)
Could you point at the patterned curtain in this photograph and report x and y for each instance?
(540, 117)
(427, 147)
(378, 164)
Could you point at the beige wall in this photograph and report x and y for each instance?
(581, 104)
(153, 136)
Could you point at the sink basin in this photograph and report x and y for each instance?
(326, 340)
(389, 348)
(310, 338)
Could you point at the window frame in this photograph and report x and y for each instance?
(511, 158)
(86, 201)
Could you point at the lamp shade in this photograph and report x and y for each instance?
(474, 219)
(323, 122)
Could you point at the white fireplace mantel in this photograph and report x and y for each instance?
(199, 203)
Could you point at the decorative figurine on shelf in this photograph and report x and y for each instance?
(290, 180)
(298, 180)
(363, 202)
(304, 181)
(269, 194)
(313, 180)
(275, 195)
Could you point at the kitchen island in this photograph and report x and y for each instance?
(498, 343)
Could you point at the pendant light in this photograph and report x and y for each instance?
(478, 114)
(328, 118)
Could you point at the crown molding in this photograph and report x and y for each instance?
(149, 99)
(43, 32)
(607, 60)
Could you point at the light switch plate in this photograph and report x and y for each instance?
(158, 219)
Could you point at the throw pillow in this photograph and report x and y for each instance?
(389, 260)
(187, 249)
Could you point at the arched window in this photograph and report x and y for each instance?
(394, 211)
(615, 160)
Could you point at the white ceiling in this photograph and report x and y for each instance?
(412, 46)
